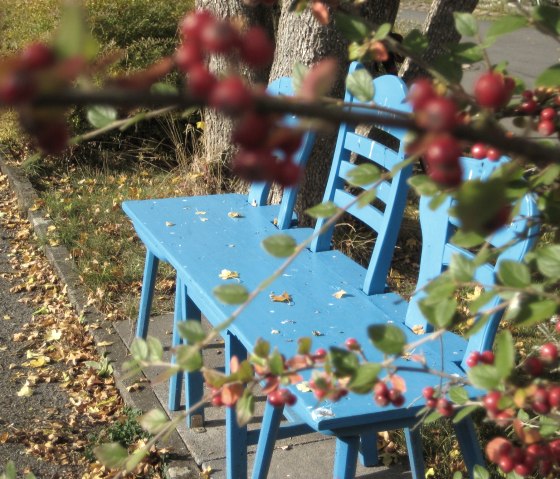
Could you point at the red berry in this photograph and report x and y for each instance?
(217, 400)
(287, 173)
(546, 127)
(527, 95)
(286, 139)
(251, 131)
(493, 154)
(290, 399)
(492, 91)
(478, 151)
(352, 344)
(528, 106)
(420, 92)
(381, 389)
(53, 137)
(540, 402)
(444, 407)
(548, 113)
(188, 56)
(442, 158)
(487, 357)
(545, 467)
(231, 96)
(280, 397)
(16, 88)
(320, 354)
(431, 403)
(381, 400)
(395, 394)
(398, 401)
(194, 23)
(201, 82)
(557, 327)
(548, 353)
(534, 366)
(254, 165)
(554, 396)
(257, 50)
(219, 37)
(491, 401)
(506, 464)
(438, 114)
(428, 392)
(473, 359)
(522, 470)
(37, 56)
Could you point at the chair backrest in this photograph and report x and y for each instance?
(258, 193)
(438, 227)
(385, 151)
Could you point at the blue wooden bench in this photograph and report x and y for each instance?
(200, 250)
(355, 415)
(225, 215)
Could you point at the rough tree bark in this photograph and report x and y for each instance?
(439, 27)
(300, 38)
(217, 148)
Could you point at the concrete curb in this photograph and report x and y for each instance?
(181, 463)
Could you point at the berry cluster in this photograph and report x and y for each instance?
(440, 404)
(323, 388)
(257, 134)
(383, 395)
(525, 460)
(438, 115)
(541, 102)
(480, 151)
(32, 71)
(485, 357)
(548, 357)
(493, 90)
(281, 397)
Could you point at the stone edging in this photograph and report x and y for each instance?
(59, 257)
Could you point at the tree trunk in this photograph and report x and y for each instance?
(439, 27)
(217, 148)
(300, 38)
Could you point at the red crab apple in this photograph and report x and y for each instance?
(493, 90)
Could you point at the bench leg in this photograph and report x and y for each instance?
(236, 436)
(368, 450)
(345, 457)
(267, 438)
(469, 444)
(415, 452)
(147, 294)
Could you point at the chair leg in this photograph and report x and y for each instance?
(368, 450)
(176, 380)
(415, 452)
(267, 438)
(469, 444)
(147, 294)
(194, 382)
(236, 436)
(345, 457)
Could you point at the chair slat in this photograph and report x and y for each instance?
(368, 214)
(372, 150)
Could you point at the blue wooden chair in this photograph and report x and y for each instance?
(255, 217)
(356, 415)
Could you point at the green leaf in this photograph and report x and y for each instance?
(465, 24)
(549, 77)
(367, 197)
(467, 240)
(437, 200)
(440, 314)
(432, 417)
(448, 68)
(298, 74)
(279, 246)
(135, 458)
(360, 84)
(323, 210)
(457, 474)
(100, 116)
(154, 421)
(484, 376)
(387, 338)
(548, 260)
(10, 472)
(467, 52)
(139, 349)
(484, 298)
(245, 408)
(191, 330)
(506, 24)
(530, 311)
(514, 274)
(382, 31)
(548, 426)
(416, 42)
(545, 177)
(276, 363)
(304, 345)
(363, 174)
(112, 455)
(423, 185)
(548, 16)
(345, 362)
(352, 27)
(440, 286)
(189, 358)
(461, 268)
(262, 348)
(505, 354)
(480, 472)
(73, 38)
(155, 349)
(231, 293)
(364, 378)
(458, 395)
(463, 413)
(164, 88)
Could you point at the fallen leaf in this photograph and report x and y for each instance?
(340, 294)
(418, 329)
(6, 317)
(281, 298)
(317, 333)
(200, 212)
(235, 214)
(304, 387)
(228, 274)
(25, 391)
(54, 335)
(4, 437)
(203, 219)
(168, 223)
(274, 331)
(105, 343)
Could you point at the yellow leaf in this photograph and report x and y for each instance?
(37, 363)
(168, 223)
(418, 329)
(430, 473)
(6, 317)
(304, 387)
(200, 212)
(235, 214)
(200, 125)
(25, 391)
(203, 219)
(227, 274)
(105, 343)
(54, 335)
(281, 298)
(340, 294)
